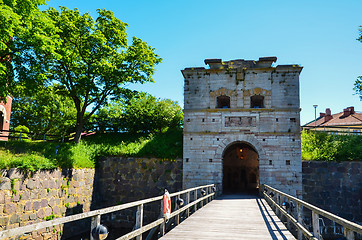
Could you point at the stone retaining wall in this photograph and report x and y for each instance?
(43, 196)
(334, 187)
(52, 194)
(122, 180)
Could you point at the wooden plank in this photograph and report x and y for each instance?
(232, 217)
(139, 220)
(315, 220)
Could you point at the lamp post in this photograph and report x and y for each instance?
(315, 117)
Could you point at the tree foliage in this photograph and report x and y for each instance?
(325, 147)
(140, 113)
(47, 111)
(358, 87)
(92, 60)
(358, 83)
(21, 21)
(147, 114)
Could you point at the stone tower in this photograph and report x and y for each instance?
(242, 125)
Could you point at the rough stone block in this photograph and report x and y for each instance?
(9, 208)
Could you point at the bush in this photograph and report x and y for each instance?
(23, 135)
(321, 146)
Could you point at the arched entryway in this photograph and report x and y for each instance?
(240, 168)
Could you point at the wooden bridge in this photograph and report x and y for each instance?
(204, 217)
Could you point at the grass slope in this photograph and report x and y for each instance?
(33, 156)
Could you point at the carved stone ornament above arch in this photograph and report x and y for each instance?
(257, 91)
(223, 91)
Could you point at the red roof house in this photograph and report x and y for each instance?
(347, 121)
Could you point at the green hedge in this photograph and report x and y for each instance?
(321, 146)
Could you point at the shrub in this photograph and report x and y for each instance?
(321, 146)
(23, 135)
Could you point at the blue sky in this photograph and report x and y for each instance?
(318, 35)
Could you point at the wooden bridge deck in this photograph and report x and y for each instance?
(232, 217)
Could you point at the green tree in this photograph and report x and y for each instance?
(110, 117)
(358, 83)
(21, 21)
(147, 114)
(92, 60)
(47, 111)
(358, 87)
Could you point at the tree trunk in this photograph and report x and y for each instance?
(79, 127)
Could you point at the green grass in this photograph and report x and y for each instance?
(32, 156)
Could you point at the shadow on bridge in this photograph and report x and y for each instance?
(232, 216)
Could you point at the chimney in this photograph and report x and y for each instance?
(351, 110)
(348, 111)
(328, 115)
(322, 114)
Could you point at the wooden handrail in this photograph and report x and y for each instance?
(349, 227)
(96, 213)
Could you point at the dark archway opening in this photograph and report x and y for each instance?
(240, 169)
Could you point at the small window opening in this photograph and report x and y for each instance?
(270, 162)
(277, 120)
(213, 120)
(293, 120)
(263, 139)
(191, 139)
(210, 160)
(217, 139)
(293, 140)
(223, 101)
(287, 162)
(187, 160)
(257, 101)
(203, 120)
(188, 120)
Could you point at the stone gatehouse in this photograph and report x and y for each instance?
(242, 125)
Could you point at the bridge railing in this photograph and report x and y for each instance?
(207, 193)
(283, 204)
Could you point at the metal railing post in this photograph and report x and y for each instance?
(315, 220)
(96, 220)
(139, 220)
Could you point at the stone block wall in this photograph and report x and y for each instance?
(334, 187)
(52, 194)
(122, 180)
(44, 196)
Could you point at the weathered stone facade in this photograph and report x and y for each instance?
(44, 196)
(243, 102)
